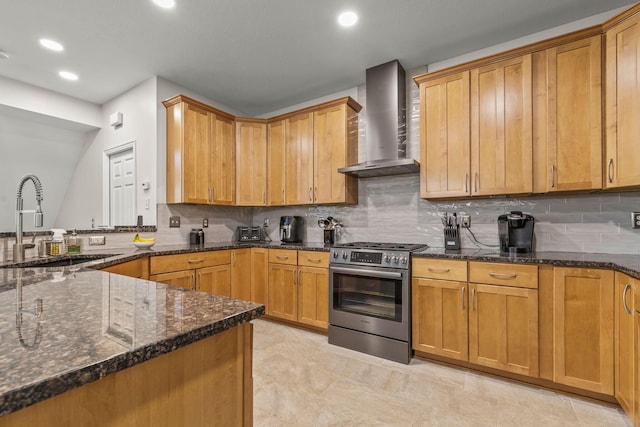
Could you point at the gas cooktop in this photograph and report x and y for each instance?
(382, 246)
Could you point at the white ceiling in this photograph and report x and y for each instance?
(256, 56)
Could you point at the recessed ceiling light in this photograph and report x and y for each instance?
(52, 45)
(166, 4)
(4, 55)
(68, 75)
(347, 19)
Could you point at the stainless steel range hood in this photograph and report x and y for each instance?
(386, 137)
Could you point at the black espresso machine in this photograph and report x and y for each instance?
(515, 230)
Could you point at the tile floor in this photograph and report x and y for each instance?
(301, 380)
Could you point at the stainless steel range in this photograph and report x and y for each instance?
(370, 298)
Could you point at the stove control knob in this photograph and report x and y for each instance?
(395, 259)
(403, 260)
(387, 258)
(344, 255)
(335, 254)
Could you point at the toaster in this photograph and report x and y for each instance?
(249, 234)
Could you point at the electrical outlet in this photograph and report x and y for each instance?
(635, 219)
(96, 240)
(465, 221)
(174, 222)
(266, 222)
(205, 223)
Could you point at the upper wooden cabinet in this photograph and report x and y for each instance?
(335, 145)
(567, 81)
(476, 136)
(298, 155)
(501, 128)
(622, 99)
(276, 134)
(251, 162)
(317, 141)
(200, 153)
(445, 137)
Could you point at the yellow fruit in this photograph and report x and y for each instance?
(137, 238)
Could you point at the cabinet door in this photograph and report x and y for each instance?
(251, 164)
(568, 117)
(283, 293)
(624, 342)
(259, 275)
(334, 147)
(241, 274)
(313, 296)
(196, 158)
(299, 159)
(439, 319)
(183, 279)
(501, 128)
(622, 104)
(583, 326)
(138, 268)
(444, 137)
(503, 328)
(214, 280)
(276, 163)
(223, 161)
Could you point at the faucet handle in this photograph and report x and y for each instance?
(28, 245)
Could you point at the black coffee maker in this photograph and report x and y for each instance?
(291, 228)
(515, 230)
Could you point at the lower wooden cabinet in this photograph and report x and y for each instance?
(282, 301)
(625, 344)
(138, 268)
(299, 287)
(259, 275)
(503, 328)
(241, 274)
(214, 280)
(439, 324)
(313, 296)
(583, 324)
(182, 279)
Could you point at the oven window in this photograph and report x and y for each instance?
(369, 296)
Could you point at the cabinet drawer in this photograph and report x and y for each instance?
(517, 275)
(313, 259)
(443, 269)
(168, 263)
(283, 256)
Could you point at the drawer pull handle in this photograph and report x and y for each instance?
(624, 298)
(503, 275)
(314, 259)
(282, 257)
(195, 261)
(439, 270)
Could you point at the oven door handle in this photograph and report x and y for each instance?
(372, 273)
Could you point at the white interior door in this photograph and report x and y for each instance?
(122, 188)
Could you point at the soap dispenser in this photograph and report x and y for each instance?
(57, 243)
(74, 243)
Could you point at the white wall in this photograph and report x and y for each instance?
(31, 98)
(30, 146)
(84, 197)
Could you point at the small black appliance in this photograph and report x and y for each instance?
(515, 230)
(291, 229)
(196, 236)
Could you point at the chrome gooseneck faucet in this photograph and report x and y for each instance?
(19, 247)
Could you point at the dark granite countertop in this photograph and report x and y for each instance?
(629, 264)
(101, 258)
(92, 324)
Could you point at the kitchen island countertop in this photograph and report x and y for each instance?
(64, 327)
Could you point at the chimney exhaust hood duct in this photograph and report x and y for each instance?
(386, 137)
